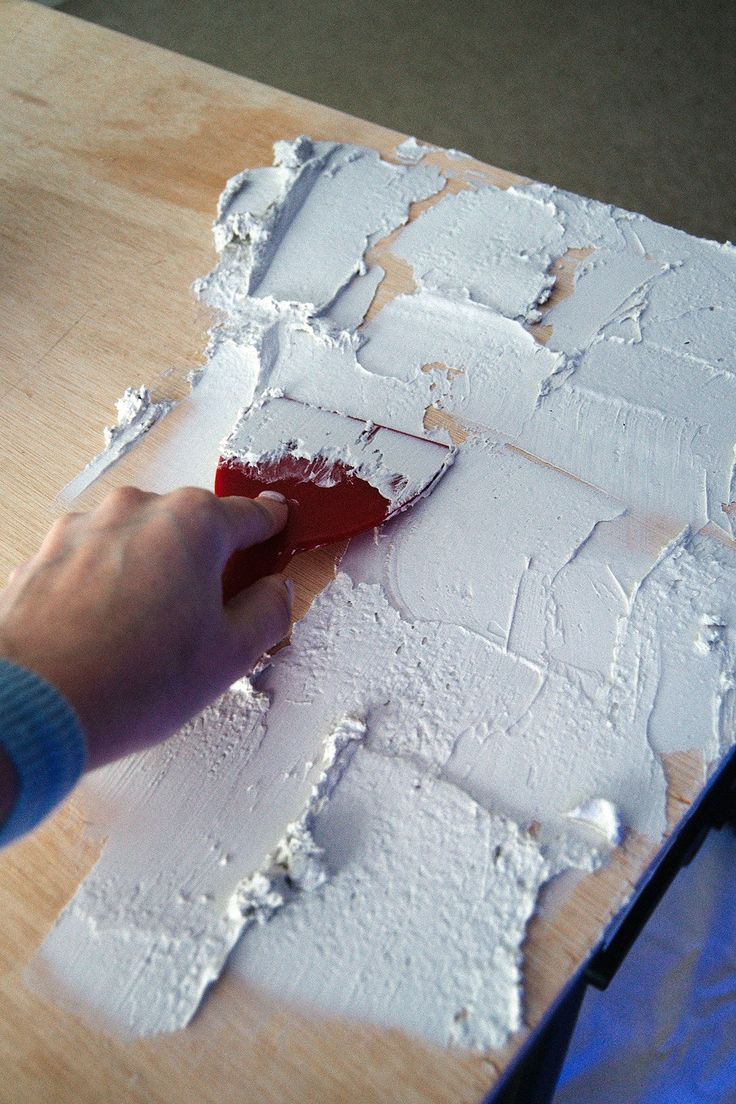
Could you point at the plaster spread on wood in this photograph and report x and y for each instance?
(136, 414)
(483, 696)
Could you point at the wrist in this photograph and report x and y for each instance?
(42, 743)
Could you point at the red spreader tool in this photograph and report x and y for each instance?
(340, 476)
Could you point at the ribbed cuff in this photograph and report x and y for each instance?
(41, 735)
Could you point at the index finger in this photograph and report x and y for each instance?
(253, 520)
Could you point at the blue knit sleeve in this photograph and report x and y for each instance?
(42, 737)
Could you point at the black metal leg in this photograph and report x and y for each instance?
(534, 1079)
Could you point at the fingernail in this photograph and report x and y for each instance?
(275, 495)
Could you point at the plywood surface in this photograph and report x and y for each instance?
(114, 154)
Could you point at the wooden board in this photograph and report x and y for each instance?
(114, 154)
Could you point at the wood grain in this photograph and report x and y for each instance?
(114, 154)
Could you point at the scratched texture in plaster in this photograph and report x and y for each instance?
(635, 396)
(648, 336)
(496, 368)
(520, 649)
(693, 310)
(478, 865)
(535, 594)
(678, 649)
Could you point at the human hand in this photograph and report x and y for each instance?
(121, 610)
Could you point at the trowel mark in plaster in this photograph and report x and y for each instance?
(298, 674)
(153, 923)
(497, 366)
(688, 283)
(611, 231)
(249, 769)
(564, 270)
(413, 707)
(453, 253)
(527, 518)
(420, 924)
(614, 286)
(541, 554)
(344, 197)
(608, 298)
(631, 278)
(321, 368)
(398, 275)
(596, 583)
(297, 863)
(504, 242)
(675, 663)
(653, 274)
(149, 929)
(336, 198)
(691, 309)
(658, 694)
(351, 305)
(675, 411)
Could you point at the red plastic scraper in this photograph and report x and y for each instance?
(339, 474)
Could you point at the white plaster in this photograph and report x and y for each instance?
(607, 295)
(319, 367)
(155, 921)
(518, 652)
(464, 883)
(496, 368)
(602, 816)
(635, 399)
(300, 232)
(148, 929)
(678, 649)
(137, 414)
(400, 467)
(489, 245)
(523, 519)
(349, 307)
(411, 152)
(692, 311)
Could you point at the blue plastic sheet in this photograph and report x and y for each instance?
(665, 1030)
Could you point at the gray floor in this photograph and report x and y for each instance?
(630, 102)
